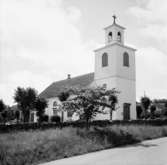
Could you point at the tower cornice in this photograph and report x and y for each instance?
(115, 24)
(115, 43)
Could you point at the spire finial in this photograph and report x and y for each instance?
(114, 17)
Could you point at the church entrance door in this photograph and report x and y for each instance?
(126, 111)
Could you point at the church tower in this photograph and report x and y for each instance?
(115, 68)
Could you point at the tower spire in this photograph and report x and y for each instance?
(114, 17)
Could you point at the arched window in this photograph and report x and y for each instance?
(126, 59)
(105, 86)
(109, 36)
(55, 104)
(55, 108)
(104, 60)
(119, 36)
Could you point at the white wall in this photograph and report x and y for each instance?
(126, 82)
(49, 109)
(122, 71)
(127, 95)
(110, 70)
(114, 30)
(105, 116)
(115, 75)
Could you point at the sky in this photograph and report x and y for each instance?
(41, 41)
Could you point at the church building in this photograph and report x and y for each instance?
(114, 68)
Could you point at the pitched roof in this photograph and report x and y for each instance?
(115, 24)
(55, 88)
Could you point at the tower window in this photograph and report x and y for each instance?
(109, 36)
(126, 59)
(119, 36)
(104, 60)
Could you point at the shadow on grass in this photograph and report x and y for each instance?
(139, 144)
(27, 148)
(145, 145)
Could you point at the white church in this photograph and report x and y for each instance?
(114, 68)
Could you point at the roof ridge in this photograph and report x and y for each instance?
(73, 77)
(55, 87)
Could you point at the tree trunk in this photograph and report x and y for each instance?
(62, 116)
(111, 114)
(26, 116)
(87, 124)
(111, 111)
(143, 112)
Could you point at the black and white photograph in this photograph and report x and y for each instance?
(83, 82)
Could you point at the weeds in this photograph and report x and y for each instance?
(33, 147)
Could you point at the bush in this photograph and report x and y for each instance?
(56, 119)
(55, 123)
(116, 138)
(45, 118)
(158, 114)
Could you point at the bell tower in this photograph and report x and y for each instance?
(115, 68)
(114, 33)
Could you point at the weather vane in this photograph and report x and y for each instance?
(114, 16)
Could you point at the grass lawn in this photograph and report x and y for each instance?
(33, 147)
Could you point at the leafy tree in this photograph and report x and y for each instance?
(17, 115)
(63, 96)
(7, 114)
(10, 114)
(56, 119)
(2, 106)
(89, 102)
(139, 111)
(153, 109)
(3, 111)
(45, 118)
(25, 99)
(164, 110)
(4, 116)
(145, 103)
(40, 105)
(165, 105)
(160, 100)
(113, 101)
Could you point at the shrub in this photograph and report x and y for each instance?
(157, 114)
(55, 123)
(45, 118)
(138, 111)
(109, 137)
(56, 119)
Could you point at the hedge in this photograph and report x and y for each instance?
(102, 123)
(56, 119)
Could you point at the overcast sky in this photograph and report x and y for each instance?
(42, 41)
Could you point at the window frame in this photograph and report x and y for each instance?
(55, 112)
(126, 62)
(55, 104)
(119, 36)
(110, 36)
(104, 59)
